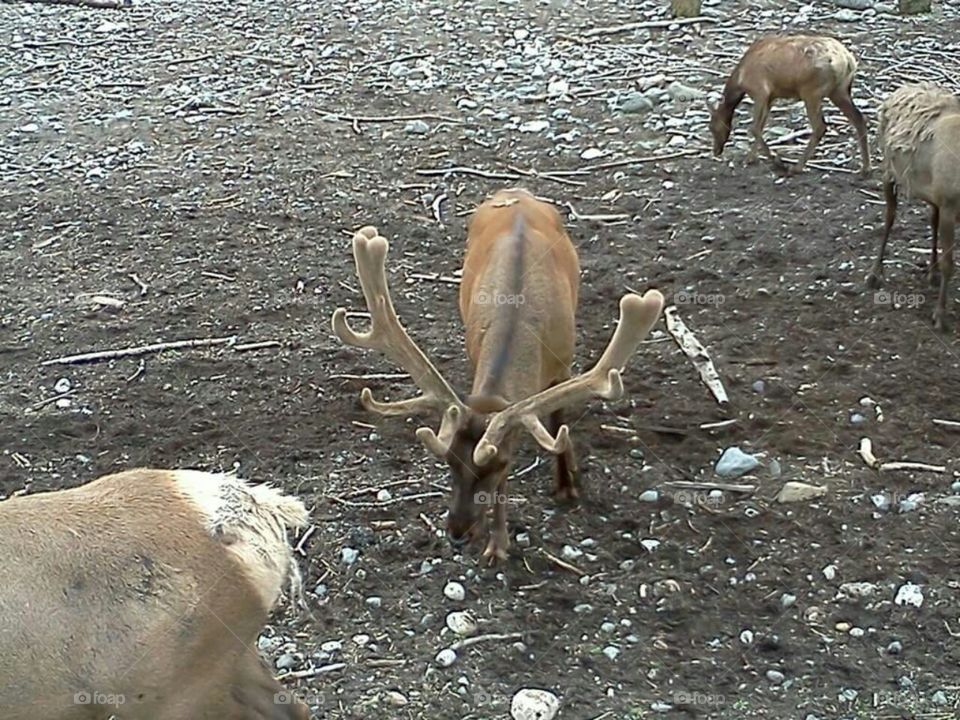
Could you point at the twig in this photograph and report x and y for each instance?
(648, 24)
(639, 160)
(143, 286)
(718, 425)
(692, 348)
(389, 118)
(138, 350)
(370, 376)
(47, 401)
(257, 345)
(563, 563)
(471, 641)
(459, 170)
(304, 538)
(884, 467)
(300, 674)
(436, 207)
(99, 4)
(385, 503)
(684, 484)
(950, 424)
(436, 277)
(139, 371)
(429, 523)
(217, 276)
(386, 662)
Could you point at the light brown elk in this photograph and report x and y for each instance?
(791, 67)
(518, 299)
(919, 134)
(141, 595)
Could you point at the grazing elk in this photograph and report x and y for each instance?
(518, 299)
(794, 67)
(141, 595)
(919, 134)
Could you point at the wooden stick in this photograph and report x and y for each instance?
(385, 503)
(468, 642)
(459, 170)
(887, 466)
(718, 425)
(949, 424)
(563, 563)
(371, 376)
(692, 348)
(711, 486)
(639, 160)
(99, 4)
(390, 118)
(257, 345)
(866, 452)
(646, 25)
(300, 674)
(138, 350)
(303, 540)
(47, 401)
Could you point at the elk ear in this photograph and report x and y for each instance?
(486, 404)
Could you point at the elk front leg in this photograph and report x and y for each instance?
(947, 220)
(814, 107)
(761, 110)
(499, 541)
(565, 488)
(933, 274)
(890, 195)
(844, 103)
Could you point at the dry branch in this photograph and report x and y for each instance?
(138, 350)
(459, 170)
(692, 348)
(98, 4)
(646, 25)
(389, 118)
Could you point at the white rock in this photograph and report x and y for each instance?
(454, 591)
(799, 492)
(746, 637)
(592, 154)
(649, 544)
(557, 87)
(571, 553)
(533, 704)
(830, 572)
(384, 495)
(349, 555)
(611, 652)
(462, 623)
(909, 594)
(62, 385)
(396, 698)
(534, 126)
(446, 657)
(29, 128)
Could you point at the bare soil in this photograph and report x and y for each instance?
(192, 146)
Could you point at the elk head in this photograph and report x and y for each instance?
(476, 436)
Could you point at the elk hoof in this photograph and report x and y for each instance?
(933, 277)
(873, 281)
(938, 320)
(566, 494)
(866, 172)
(495, 552)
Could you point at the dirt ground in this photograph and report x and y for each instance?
(198, 162)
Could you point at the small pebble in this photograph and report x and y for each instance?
(830, 572)
(611, 652)
(62, 385)
(775, 676)
(746, 637)
(416, 127)
(649, 496)
(349, 555)
(895, 648)
(939, 698)
(759, 386)
(384, 495)
(857, 632)
(375, 601)
(454, 591)
(786, 600)
(446, 657)
(608, 627)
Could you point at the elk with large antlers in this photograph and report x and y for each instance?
(518, 299)
(140, 595)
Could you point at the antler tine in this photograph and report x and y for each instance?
(387, 335)
(637, 317)
(439, 443)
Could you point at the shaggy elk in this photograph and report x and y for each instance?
(140, 595)
(919, 134)
(518, 299)
(792, 67)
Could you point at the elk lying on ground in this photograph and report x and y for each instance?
(919, 134)
(141, 595)
(518, 299)
(794, 67)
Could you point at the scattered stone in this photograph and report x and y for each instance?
(446, 657)
(649, 544)
(786, 600)
(349, 555)
(857, 419)
(775, 676)
(608, 627)
(583, 608)
(398, 69)
(843, 627)
(649, 496)
(461, 623)
(361, 640)
(416, 127)
(558, 87)
(571, 553)
(880, 501)
(683, 93)
(384, 495)
(454, 591)
(636, 102)
(955, 486)
(661, 707)
(830, 572)
(858, 590)
(592, 154)
(911, 502)
(677, 141)
(534, 704)
(909, 594)
(288, 661)
(332, 646)
(375, 601)
(759, 386)
(855, 4)
(534, 126)
(774, 468)
(857, 632)
(848, 695)
(62, 385)
(395, 698)
(611, 652)
(800, 492)
(846, 15)
(734, 463)
(939, 698)
(746, 637)
(895, 647)
(29, 128)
